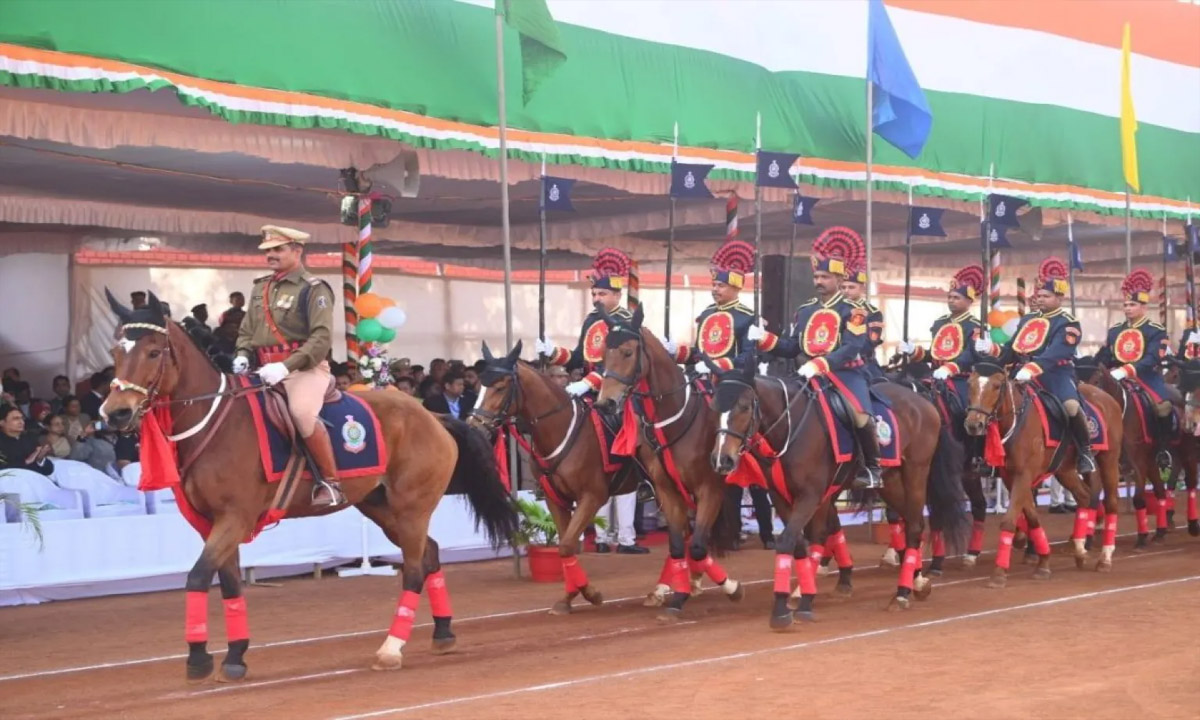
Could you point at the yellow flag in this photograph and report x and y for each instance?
(1128, 119)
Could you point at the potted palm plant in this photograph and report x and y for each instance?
(28, 514)
(538, 535)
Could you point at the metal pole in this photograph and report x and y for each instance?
(542, 256)
(757, 213)
(907, 263)
(1163, 302)
(787, 283)
(670, 264)
(1128, 235)
(870, 170)
(987, 266)
(1071, 260)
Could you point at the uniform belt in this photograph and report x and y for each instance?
(276, 353)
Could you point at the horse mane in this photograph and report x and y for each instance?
(174, 330)
(658, 355)
(549, 384)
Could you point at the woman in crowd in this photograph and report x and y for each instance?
(19, 451)
(56, 436)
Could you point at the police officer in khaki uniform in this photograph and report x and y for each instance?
(286, 333)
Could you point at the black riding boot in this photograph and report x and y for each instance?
(1083, 442)
(871, 475)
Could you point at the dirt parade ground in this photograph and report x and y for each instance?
(1079, 645)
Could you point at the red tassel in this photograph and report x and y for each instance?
(500, 451)
(160, 463)
(627, 438)
(993, 449)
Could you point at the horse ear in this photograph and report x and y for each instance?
(515, 353)
(638, 316)
(487, 352)
(604, 315)
(156, 307)
(120, 310)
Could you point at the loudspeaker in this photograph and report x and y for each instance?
(779, 300)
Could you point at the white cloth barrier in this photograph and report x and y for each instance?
(114, 555)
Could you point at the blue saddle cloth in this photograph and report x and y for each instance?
(1054, 429)
(887, 430)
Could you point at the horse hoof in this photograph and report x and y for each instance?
(1104, 566)
(1159, 538)
(738, 593)
(1029, 559)
(595, 597)
(922, 590)
(898, 603)
(1194, 528)
(998, 581)
(969, 560)
(202, 671)
(804, 615)
(1080, 561)
(387, 662)
(844, 590)
(562, 607)
(793, 603)
(231, 673)
(653, 600)
(669, 615)
(781, 623)
(934, 572)
(441, 646)
(1041, 574)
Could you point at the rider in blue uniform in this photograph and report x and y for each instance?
(830, 335)
(1134, 350)
(1043, 349)
(854, 287)
(952, 352)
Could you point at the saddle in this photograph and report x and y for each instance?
(275, 405)
(839, 418)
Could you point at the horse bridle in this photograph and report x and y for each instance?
(630, 382)
(993, 415)
(150, 391)
(512, 397)
(757, 418)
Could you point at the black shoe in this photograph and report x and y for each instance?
(870, 476)
(632, 550)
(768, 544)
(1086, 463)
(603, 548)
(1058, 510)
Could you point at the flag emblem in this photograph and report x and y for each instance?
(994, 237)
(773, 169)
(554, 193)
(800, 208)
(1000, 209)
(689, 180)
(923, 223)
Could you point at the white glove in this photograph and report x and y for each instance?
(670, 346)
(1024, 375)
(755, 333)
(1193, 337)
(808, 370)
(942, 373)
(701, 368)
(578, 388)
(983, 345)
(272, 373)
(241, 365)
(545, 349)
(907, 348)
(763, 367)
(1119, 374)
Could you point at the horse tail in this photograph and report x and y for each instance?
(945, 495)
(476, 472)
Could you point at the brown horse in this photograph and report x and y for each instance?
(996, 400)
(1140, 456)
(668, 421)
(569, 457)
(787, 416)
(159, 368)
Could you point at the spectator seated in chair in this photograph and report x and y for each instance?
(18, 450)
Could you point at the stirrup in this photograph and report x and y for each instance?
(869, 479)
(1164, 459)
(336, 496)
(1085, 463)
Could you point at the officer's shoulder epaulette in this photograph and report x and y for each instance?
(743, 309)
(1155, 325)
(947, 316)
(972, 318)
(810, 302)
(1069, 316)
(264, 278)
(1117, 324)
(314, 280)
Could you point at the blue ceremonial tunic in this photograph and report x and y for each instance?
(832, 334)
(953, 347)
(1138, 347)
(874, 340)
(1045, 343)
(720, 334)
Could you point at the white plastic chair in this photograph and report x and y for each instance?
(30, 487)
(102, 495)
(157, 501)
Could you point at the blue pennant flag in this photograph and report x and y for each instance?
(997, 235)
(900, 113)
(1003, 210)
(925, 221)
(773, 170)
(802, 209)
(1193, 234)
(1170, 249)
(687, 180)
(556, 193)
(1076, 256)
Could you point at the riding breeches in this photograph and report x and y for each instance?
(306, 391)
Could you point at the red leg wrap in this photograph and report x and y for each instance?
(939, 544)
(1160, 514)
(908, 568)
(806, 574)
(681, 579)
(1191, 506)
(976, 545)
(668, 572)
(237, 623)
(841, 549)
(783, 573)
(439, 596)
(1099, 514)
(714, 571)
(1143, 526)
(1081, 524)
(816, 553)
(1004, 551)
(1151, 503)
(898, 537)
(195, 619)
(1170, 499)
(1091, 522)
(406, 613)
(1040, 544)
(1110, 530)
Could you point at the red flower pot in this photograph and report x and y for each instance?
(544, 563)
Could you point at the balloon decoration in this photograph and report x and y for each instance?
(1003, 324)
(378, 320)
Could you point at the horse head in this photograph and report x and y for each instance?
(623, 366)
(985, 391)
(1088, 369)
(736, 403)
(144, 360)
(499, 389)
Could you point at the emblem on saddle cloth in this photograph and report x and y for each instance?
(1093, 428)
(593, 342)
(883, 431)
(716, 334)
(949, 342)
(354, 435)
(1130, 346)
(821, 333)
(1032, 336)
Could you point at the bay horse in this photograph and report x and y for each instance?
(1140, 456)
(668, 423)
(782, 421)
(566, 449)
(161, 375)
(1002, 410)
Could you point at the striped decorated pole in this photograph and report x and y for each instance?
(635, 286)
(1162, 282)
(349, 295)
(366, 248)
(1021, 298)
(731, 217)
(994, 292)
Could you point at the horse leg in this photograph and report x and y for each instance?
(791, 551)
(1187, 455)
(708, 505)
(237, 629)
(837, 546)
(891, 556)
(1084, 493)
(1038, 541)
(444, 639)
(675, 572)
(570, 529)
(938, 543)
(1139, 509)
(973, 484)
(1020, 490)
(911, 503)
(219, 548)
(1158, 506)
